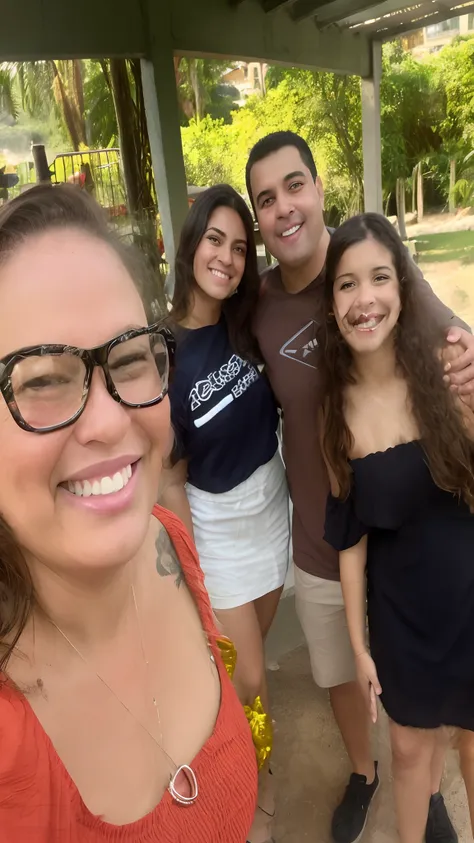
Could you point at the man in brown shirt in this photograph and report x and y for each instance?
(287, 196)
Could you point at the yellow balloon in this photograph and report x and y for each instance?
(262, 730)
(259, 721)
(229, 655)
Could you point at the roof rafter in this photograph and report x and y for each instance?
(410, 26)
(338, 10)
(405, 20)
(303, 9)
(274, 5)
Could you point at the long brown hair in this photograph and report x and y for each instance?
(448, 449)
(239, 309)
(34, 212)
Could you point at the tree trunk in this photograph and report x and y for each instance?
(452, 182)
(79, 97)
(123, 108)
(135, 153)
(419, 193)
(401, 208)
(263, 85)
(413, 188)
(63, 99)
(196, 85)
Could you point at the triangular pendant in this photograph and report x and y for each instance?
(175, 788)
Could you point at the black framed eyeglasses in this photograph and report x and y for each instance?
(46, 386)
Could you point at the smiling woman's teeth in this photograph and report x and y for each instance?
(365, 326)
(100, 486)
(220, 274)
(291, 231)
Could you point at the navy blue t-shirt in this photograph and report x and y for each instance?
(223, 411)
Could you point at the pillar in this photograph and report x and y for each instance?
(371, 142)
(162, 114)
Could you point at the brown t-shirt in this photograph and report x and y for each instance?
(285, 328)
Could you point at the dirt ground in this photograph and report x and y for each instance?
(453, 282)
(445, 244)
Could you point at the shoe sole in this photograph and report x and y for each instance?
(357, 839)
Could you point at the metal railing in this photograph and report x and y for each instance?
(96, 170)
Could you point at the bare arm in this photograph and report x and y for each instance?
(172, 493)
(352, 564)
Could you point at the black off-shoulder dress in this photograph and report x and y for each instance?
(420, 570)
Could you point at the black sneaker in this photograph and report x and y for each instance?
(439, 828)
(350, 816)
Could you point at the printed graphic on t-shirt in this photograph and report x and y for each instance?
(233, 378)
(301, 347)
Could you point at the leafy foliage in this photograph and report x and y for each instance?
(8, 100)
(49, 86)
(216, 152)
(427, 116)
(411, 112)
(427, 112)
(454, 73)
(197, 82)
(101, 118)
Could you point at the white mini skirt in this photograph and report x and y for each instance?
(242, 536)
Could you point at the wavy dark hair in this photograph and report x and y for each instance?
(238, 310)
(448, 449)
(44, 208)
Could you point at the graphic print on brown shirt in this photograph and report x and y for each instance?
(285, 326)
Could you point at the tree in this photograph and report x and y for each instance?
(118, 100)
(101, 119)
(68, 89)
(44, 85)
(115, 83)
(453, 70)
(8, 101)
(330, 111)
(217, 152)
(196, 82)
(411, 109)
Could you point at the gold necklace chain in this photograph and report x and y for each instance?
(155, 703)
(184, 768)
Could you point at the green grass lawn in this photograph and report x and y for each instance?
(452, 246)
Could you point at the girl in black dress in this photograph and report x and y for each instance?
(400, 453)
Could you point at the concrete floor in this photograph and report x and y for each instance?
(309, 762)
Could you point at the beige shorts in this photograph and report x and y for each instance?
(320, 608)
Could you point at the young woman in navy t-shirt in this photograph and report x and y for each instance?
(227, 481)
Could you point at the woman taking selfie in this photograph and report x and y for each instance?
(117, 718)
(227, 481)
(400, 455)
